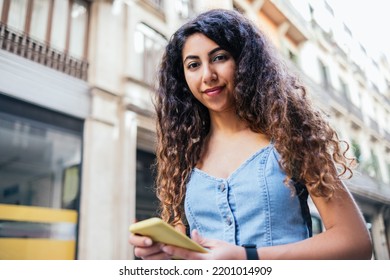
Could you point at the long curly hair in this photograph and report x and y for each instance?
(267, 96)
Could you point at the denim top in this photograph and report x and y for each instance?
(252, 205)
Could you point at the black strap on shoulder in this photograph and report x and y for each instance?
(303, 194)
(188, 233)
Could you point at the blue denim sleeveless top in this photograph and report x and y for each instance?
(252, 205)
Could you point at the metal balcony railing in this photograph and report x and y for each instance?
(157, 4)
(20, 44)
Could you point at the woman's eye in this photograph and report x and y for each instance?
(219, 57)
(192, 65)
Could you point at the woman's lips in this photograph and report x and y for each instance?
(213, 91)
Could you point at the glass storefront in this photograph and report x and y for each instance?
(40, 160)
(146, 200)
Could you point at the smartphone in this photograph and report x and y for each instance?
(160, 231)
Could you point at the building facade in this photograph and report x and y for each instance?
(77, 122)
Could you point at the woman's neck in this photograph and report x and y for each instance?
(226, 123)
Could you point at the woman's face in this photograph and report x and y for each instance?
(209, 72)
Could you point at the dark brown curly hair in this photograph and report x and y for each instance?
(268, 97)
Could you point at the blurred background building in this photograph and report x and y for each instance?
(77, 128)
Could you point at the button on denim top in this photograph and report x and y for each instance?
(252, 205)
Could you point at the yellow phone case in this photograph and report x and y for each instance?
(160, 231)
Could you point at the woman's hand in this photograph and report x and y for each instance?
(146, 249)
(218, 250)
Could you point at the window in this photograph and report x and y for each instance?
(146, 200)
(356, 150)
(79, 21)
(40, 159)
(17, 14)
(35, 155)
(1, 8)
(185, 8)
(39, 19)
(372, 166)
(344, 88)
(59, 24)
(324, 74)
(358, 99)
(292, 56)
(149, 46)
(157, 4)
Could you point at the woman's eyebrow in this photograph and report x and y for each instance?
(214, 51)
(210, 53)
(191, 57)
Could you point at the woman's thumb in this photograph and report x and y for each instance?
(198, 238)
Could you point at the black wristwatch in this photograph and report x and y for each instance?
(251, 251)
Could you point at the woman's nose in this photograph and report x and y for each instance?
(209, 74)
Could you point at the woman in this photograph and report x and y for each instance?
(236, 133)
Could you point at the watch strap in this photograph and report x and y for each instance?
(251, 251)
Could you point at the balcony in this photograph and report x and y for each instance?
(156, 7)
(22, 45)
(280, 12)
(157, 4)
